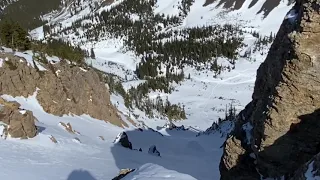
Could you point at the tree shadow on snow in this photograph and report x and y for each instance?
(80, 175)
(180, 150)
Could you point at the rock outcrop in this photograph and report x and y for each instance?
(171, 126)
(284, 111)
(123, 140)
(153, 151)
(123, 173)
(62, 89)
(18, 123)
(310, 170)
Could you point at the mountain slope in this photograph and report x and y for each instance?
(204, 94)
(113, 57)
(70, 158)
(267, 7)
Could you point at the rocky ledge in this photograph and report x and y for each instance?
(16, 122)
(61, 89)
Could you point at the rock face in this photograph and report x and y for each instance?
(63, 88)
(20, 123)
(284, 113)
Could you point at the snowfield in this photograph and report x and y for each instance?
(98, 159)
(184, 155)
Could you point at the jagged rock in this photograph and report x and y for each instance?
(123, 173)
(53, 139)
(68, 128)
(17, 78)
(63, 88)
(284, 111)
(170, 125)
(21, 123)
(153, 151)
(11, 105)
(123, 140)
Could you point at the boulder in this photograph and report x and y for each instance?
(20, 123)
(171, 126)
(123, 140)
(153, 151)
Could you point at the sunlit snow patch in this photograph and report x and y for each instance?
(22, 111)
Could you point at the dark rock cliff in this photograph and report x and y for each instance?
(284, 111)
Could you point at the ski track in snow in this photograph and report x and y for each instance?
(183, 155)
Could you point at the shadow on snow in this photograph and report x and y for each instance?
(80, 175)
(180, 150)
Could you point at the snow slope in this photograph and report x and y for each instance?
(95, 159)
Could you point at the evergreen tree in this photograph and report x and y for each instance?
(14, 36)
(92, 54)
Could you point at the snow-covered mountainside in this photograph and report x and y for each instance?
(204, 58)
(212, 87)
